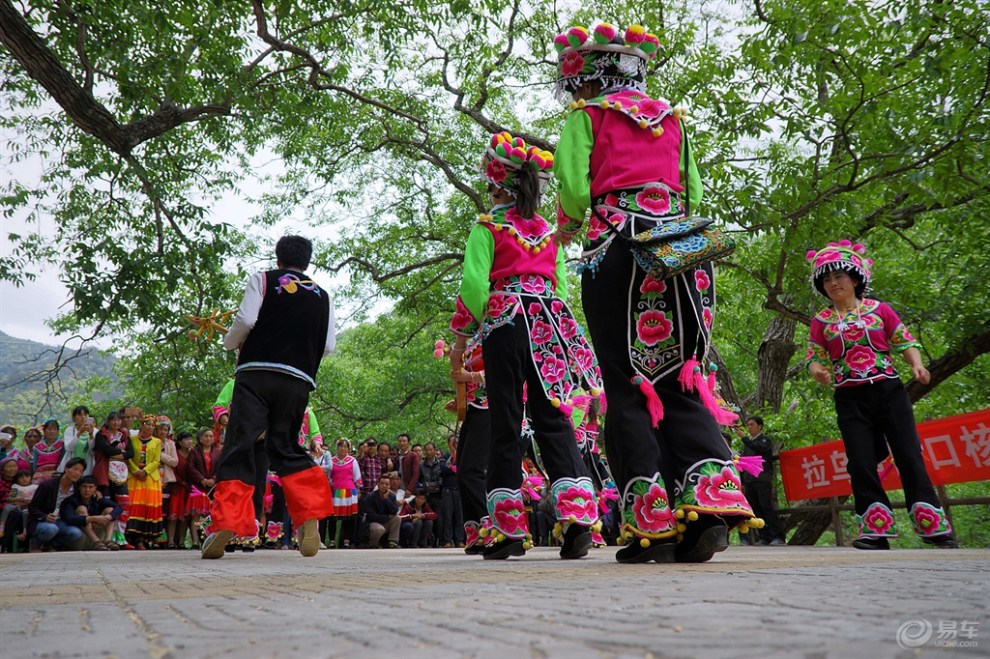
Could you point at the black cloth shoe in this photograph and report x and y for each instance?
(660, 552)
(703, 539)
(577, 542)
(474, 549)
(944, 541)
(871, 543)
(502, 550)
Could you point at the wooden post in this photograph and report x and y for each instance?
(833, 504)
(944, 498)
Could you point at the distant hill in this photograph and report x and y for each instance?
(24, 397)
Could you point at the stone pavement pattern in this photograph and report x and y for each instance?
(806, 602)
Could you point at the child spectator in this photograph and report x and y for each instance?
(201, 469)
(20, 491)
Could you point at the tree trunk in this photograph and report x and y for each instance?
(810, 526)
(775, 353)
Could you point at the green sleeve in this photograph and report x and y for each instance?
(689, 172)
(479, 254)
(314, 426)
(561, 274)
(572, 167)
(225, 395)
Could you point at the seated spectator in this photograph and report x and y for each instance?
(417, 521)
(395, 486)
(8, 478)
(95, 514)
(382, 513)
(7, 436)
(44, 524)
(18, 498)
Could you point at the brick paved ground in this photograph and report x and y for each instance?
(748, 602)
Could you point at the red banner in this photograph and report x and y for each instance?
(956, 450)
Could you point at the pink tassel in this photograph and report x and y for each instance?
(566, 410)
(711, 380)
(653, 403)
(888, 467)
(686, 378)
(581, 401)
(603, 404)
(751, 464)
(722, 417)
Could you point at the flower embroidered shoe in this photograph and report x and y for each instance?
(577, 542)
(503, 549)
(635, 552)
(871, 543)
(216, 543)
(702, 540)
(944, 541)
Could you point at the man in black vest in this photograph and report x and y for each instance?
(759, 489)
(283, 329)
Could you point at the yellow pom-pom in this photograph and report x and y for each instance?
(595, 391)
(572, 519)
(634, 110)
(658, 131)
(693, 516)
(644, 542)
(679, 513)
(581, 103)
(681, 528)
(761, 522)
(555, 402)
(574, 105)
(744, 529)
(483, 533)
(499, 538)
(604, 105)
(597, 526)
(527, 545)
(680, 537)
(643, 123)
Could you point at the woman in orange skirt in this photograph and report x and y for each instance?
(145, 486)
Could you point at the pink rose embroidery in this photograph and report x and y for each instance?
(462, 317)
(510, 517)
(471, 535)
(585, 358)
(533, 308)
(553, 369)
(701, 280)
(595, 228)
(652, 327)
(654, 199)
(652, 512)
(532, 284)
(827, 257)
(649, 107)
(878, 520)
(556, 306)
(707, 317)
(541, 332)
(572, 65)
(611, 200)
(495, 171)
(853, 334)
(497, 304)
(721, 489)
(577, 503)
(860, 359)
(927, 519)
(568, 328)
(651, 285)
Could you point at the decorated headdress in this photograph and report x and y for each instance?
(507, 155)
(149, 417)
(163, 421)
(614, 58)
(843, 255)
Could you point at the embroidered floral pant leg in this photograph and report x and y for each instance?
(868, 416)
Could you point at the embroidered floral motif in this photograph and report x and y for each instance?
(496, 171)
(472, 533)
(929, 520)
(877, 522)
(652, 286)
(702, 280)
(508, 512)
(653, 327)
(646, 508)
(574, 500)
(713, 486)
(290, 283)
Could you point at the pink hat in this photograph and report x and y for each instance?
(843, 255)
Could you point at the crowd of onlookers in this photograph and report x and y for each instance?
(131, 482)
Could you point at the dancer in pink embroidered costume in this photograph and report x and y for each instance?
(514, 288)
(850, 344)
(624, 155)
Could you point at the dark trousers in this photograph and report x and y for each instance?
(871, 418)
(508, 365)
(268, 409)
(688, 432)
(451, 519)
(473, 448)
(760, 497)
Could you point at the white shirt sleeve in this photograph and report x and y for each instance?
(247, 314)
(331, 331)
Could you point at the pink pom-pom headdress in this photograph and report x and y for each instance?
(507, 155)
(842, 255)
(614, 57)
